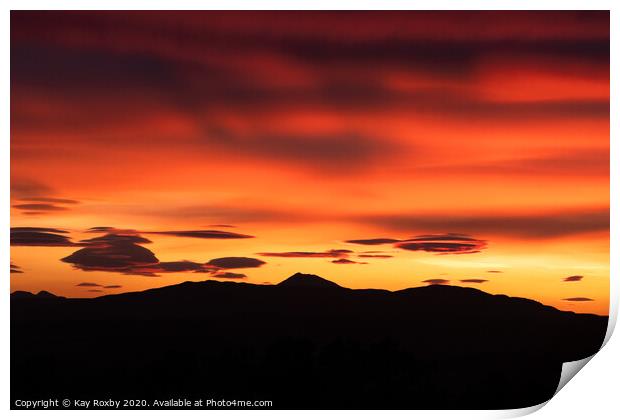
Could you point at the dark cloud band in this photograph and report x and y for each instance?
(436, 281)
(235, 262)
(332, 253)
(34, 236)
(544, 225)
(579, 299)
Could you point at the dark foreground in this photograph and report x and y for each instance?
(305, 343)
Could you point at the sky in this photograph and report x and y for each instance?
(381, 150)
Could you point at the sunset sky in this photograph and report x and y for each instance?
(375, 149)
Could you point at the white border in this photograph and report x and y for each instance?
(594, 393)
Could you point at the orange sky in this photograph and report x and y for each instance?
(476, 144)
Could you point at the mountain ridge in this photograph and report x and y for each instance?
(321, 346)
(295, 281)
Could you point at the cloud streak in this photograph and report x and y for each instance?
(335, 152)
(202, 234)
(373, 241)
(36, 236)
(229, 275)
(332, 253)
(449, 243)
(532, 226)
(346, 261)
(436, 281)
(375, 256)
(42, 204)
(15, 269)
(43, 207)
(443, 244)
(579, 299)
(51, 200)
(235, 262)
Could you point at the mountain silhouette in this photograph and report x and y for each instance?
(43, 294)
(308, 280)
(20, 294)
(306, 343)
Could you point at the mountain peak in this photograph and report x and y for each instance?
(43, 294)
(20, 294)
(308, 281)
